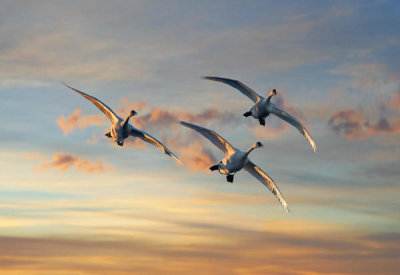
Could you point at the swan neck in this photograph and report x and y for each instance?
(251, 149)
(125, 122)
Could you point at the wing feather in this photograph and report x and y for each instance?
(294, 122)
(212, 136)
(238, 85)
(152, 140)
(255, 171)
(102, 107)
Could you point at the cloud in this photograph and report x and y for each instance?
(394, 102)
(194, 154)
(161, 123)
(64, 161)
(355, 126)
(231, 250)
(52, 56)
(158, 117)
(189, 146)
(154, 118)
(126, 105)
(366, 75)
(77, 120)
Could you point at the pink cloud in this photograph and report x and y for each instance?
(394, 102)
(156, 117)
(355, 126)
(64, 161)
(77, 120)
(194, 154)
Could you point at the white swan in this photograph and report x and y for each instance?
(263, 107)
(235, 160)
(121, 129)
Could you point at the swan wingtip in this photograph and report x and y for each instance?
(184, 123)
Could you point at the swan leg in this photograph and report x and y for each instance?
(262, 121)
(108, 134)
(247, 114)
(229, 178)
(214, 167)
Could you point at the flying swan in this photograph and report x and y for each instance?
(235, 160)
(121, 129)
(263, 107)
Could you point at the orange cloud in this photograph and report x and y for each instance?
(230, 251)
(77, 120)
(354, 126)
(268, 131)
(194, 154)
(158, 117)
(394, 102)
(189, 147)
(64, 162)
(128, 105)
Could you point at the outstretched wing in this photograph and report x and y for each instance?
(150, 139)
(293, 121)
(267, 181)
(238, 85)
(102, 107)
(212, 136)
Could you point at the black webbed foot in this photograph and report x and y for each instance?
(262, 121)
(247, 114)
(229, 178)
(214, 167)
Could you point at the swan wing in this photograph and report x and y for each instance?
(152, 140)
(238, 85)
(293, 121)
(259, 174)
(102, 107)
(212, 136)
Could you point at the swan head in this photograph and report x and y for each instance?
(259, 145)
(272, 92)
(132, 113)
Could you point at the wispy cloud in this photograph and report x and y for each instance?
(78, 121)
(189, 146)
(65, 161)
(159, 122)
(230, 251)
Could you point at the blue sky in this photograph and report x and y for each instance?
(70, 201)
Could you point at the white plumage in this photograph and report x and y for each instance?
(235, 160)
(263, 107)
(121, 129)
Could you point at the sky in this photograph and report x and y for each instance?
(71, 202)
